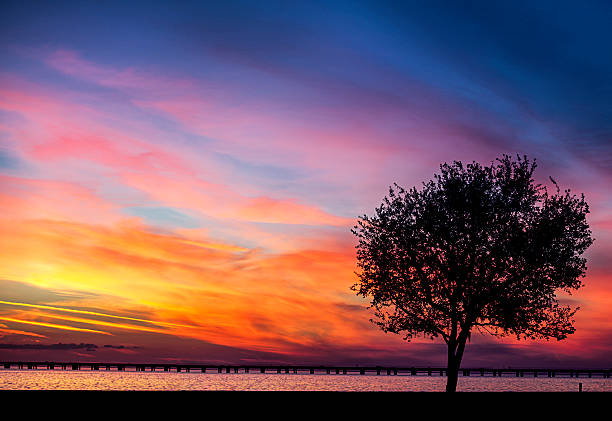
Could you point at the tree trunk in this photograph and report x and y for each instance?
(452, 373)
(455, 354)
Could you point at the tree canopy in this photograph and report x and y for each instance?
(482, 247)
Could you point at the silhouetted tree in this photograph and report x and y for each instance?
(478, 247)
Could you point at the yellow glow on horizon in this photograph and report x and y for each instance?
(54, 326)
(255, 301)
(92, 313)
(102, 323)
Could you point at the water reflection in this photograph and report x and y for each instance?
(87, 380)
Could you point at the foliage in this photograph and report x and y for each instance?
(480, 247)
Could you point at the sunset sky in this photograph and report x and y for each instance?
(178, 180)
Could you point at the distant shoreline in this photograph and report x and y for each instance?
(305, 369)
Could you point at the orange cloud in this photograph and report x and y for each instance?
(222, 295)
(89, 313)
(211, 291)
(5, 331)
(52, 325)
(25, 198)
(266, 209)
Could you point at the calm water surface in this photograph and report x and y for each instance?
(112, 380)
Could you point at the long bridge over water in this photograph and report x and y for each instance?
(303, 369)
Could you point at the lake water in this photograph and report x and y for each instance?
(160, 381)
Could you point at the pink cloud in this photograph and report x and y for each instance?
(266, 209)
(59, 133)
(24, 199)
(221, 202)
(257, 131)
(257, 128)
